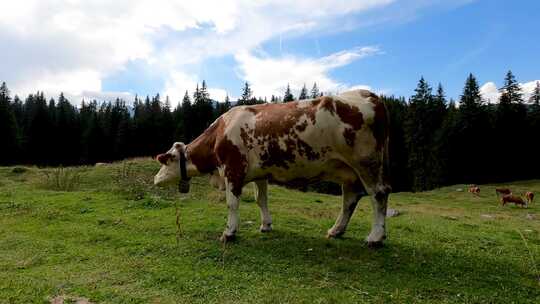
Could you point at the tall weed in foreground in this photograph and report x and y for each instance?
(137, 183)
(62, 179)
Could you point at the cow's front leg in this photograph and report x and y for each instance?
(378, 229)
(350, 194)
(232, 220)
(261, 195)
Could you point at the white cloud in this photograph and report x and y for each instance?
(491, 94)
(270, 76)
(73, 45)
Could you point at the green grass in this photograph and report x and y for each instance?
(112, 239)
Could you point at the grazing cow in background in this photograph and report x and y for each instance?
(509, 198)
(529, 196)
(474, 189)
(502, 191)
(341, 138)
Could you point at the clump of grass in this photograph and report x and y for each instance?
(62, 179)
(136, 183)
(129, 182)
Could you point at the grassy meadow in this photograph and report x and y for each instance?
(106, 234)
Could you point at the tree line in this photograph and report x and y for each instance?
(434, 141)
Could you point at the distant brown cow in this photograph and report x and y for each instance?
(474, 189)
(502, 191)
(513, 199)
(529, 196)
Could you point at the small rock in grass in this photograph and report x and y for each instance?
(530, 216)
(487, 216)
(459, 190)
(391, 212)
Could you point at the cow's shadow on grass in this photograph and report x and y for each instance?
(419, 267)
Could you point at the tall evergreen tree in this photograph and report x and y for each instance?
(315, 91)
(288, 96)
(511, 91)
(419, 136)
(8, 129)
(246, 96)
(511, 124)
(303, 93)
(188, 120)
(68, 132)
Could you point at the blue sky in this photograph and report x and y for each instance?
(102, 50)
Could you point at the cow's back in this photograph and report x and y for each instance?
(308, 138)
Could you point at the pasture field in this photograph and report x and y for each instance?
(112, 238)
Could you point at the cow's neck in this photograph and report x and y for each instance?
(201, 156)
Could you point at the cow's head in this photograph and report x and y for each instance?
(173, 170)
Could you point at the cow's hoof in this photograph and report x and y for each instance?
(227, 238)
(375, 244)
(334, 235)
(265, 228)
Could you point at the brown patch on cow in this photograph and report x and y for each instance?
(235, 163)
(201, 150)
(349, 136)
(306, 150)
(380, 124)
(246, 138)
(349, 114)
(279, 119)
(253, 109)
(325, 103)
(281, 122)
(275, 156)
(302, 127)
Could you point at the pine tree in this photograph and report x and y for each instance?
(470, 141)
(315, 91)
(68, 132)
(188, 119)
(419, 136)
(535, 97)
(303, 93)
(511, 91)
(247, 93)
(511, 124)
(8, 129)
(471, 99)
(288, 96)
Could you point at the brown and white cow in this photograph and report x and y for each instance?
(502, 191)
(530, 197)
(474, 189)
(341, 138)
(509, 198)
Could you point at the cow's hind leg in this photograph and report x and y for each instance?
(351, 193)
(379, 200)
(261, 195)
(374, 177)
(233, 219)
